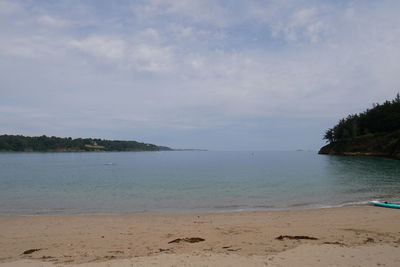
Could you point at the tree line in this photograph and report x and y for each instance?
(381, 118)
(45, 143)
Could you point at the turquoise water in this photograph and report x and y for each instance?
(192, 181)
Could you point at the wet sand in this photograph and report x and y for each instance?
(348, 236)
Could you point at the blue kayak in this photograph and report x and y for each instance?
(386, 204)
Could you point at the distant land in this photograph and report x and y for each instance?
(44, 143)
(188, 149)
(374, 132)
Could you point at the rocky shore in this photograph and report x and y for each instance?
(378, 145)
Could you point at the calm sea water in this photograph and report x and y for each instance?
(172, 182)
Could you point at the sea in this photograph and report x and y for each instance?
(190, 181)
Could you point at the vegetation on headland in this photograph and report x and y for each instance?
(374, 132)
(58, 144)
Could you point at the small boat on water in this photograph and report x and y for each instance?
(385, 204)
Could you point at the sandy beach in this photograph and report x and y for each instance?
(348, 236)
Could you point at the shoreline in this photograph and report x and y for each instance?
(249, 237)
(361, 154)
(209, 212)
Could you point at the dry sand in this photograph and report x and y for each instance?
(350, 236)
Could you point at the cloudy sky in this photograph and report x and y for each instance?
(220, 75)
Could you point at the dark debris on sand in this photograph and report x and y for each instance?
(188, 240)
(30, 251)
(296, 237)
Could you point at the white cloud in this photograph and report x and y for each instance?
(296, 21)
(181, 31)
(149, 34)
(102, 46)
(35, 46)
(52, 21)
(8, 7)
(152, 58)
(201, 11)
(129, 53)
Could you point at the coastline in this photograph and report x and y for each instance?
(324, 151)
(214, 210)
(245, 237)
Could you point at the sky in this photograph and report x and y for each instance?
(210, 74)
